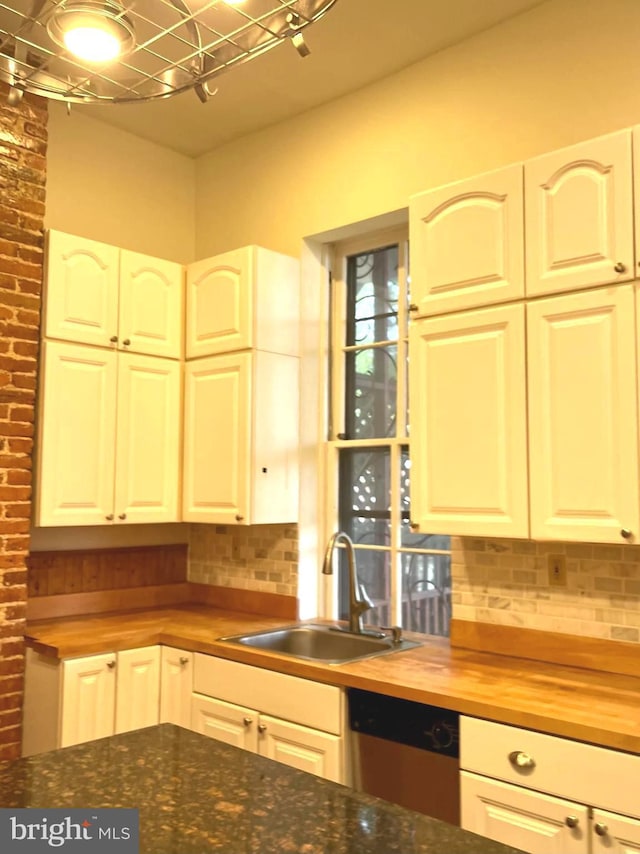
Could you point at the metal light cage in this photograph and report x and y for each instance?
(176, 45)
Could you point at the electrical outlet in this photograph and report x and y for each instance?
(557, 571)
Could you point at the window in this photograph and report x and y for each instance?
(407, 575)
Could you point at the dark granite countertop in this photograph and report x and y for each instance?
(197, 795)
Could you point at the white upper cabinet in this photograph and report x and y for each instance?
(248, 298)
(241, 439)
(109, 437)
(77, 433)
(467, 244)
(81, 290)
(468, 423)
(148, 445)
(583, 418)
(99, 294)
(151, 305)
(579, 216)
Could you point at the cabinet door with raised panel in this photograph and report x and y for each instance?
(148, 440)
(151, 305)
(467, 243)
(88, 698)
(235, 725)
(138, 688)
(217, 453)
(522, 818)
(583, 422)
(81, 290)
(176, 678)
(77, 423)
(220, 304)
(301, 747)
(614, 834)
(579, 216)
(468, 423)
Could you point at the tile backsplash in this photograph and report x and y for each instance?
(507, 582)
(259, 557)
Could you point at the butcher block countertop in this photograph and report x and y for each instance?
(587, 705)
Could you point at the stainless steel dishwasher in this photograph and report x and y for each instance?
(406, 752)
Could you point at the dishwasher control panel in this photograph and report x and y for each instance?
(405, 722)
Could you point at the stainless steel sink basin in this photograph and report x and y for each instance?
(327, 644)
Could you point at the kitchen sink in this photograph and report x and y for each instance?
(328, 644)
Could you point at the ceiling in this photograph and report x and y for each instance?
(356, 43)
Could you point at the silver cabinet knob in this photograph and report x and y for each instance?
(114, 339)
(262, 728)
(620, 267)
(520, 760)
(184, 660)
(111, 664)
(626, 534)
(247, 721)
(109, 517)
(572, 821)
(600, 828)
(122, 516)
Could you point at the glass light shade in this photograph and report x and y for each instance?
(93, 31)
(92, 44)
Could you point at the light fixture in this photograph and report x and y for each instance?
(124, 51)
(92, 31)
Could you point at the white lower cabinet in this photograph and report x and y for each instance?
(292, 720)
(80, 699)
(547, 795)
(176, 674)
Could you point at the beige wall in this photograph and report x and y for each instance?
(109, 185)
(563, 72)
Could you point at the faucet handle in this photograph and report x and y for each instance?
(396, 633)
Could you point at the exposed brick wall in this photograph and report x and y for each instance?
(23, 147)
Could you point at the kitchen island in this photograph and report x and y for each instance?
(197, 795)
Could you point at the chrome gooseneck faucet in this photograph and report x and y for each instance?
(359, 602)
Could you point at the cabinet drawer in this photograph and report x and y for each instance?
(569, 769)
(308, 703)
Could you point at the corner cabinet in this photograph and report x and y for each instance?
(468, 423)
(108, 437)
(240, 300)
(467, 243)
(80, 699)
(109, 297)
(547, 795)
(241, 439)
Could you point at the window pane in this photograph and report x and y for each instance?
(364, 495)
(372, 297)
(374, 575)
(370, 406)
(426, 593)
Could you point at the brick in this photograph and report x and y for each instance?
(10, 748)
(17, 511)
(12, 666)
(16, 543)
(19, 445)
(15, 612)
(10, 562)
(23, 332)
(16, 428)
(10, 701)
(15, 477)
(12, 594)
(10, 718)
(25, 348)
(22, 463)
(24, 300)
(19, 413)
(13, 577)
